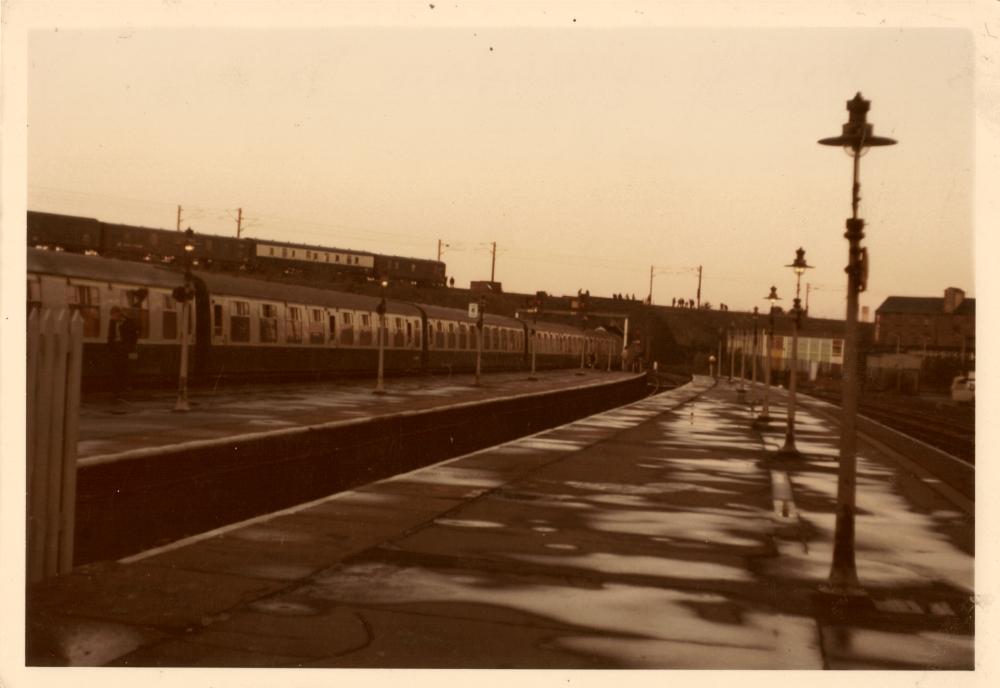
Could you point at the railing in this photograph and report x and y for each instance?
(54, 348)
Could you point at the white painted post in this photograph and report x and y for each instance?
(74, 368)
(54, 353)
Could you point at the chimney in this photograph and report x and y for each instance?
(953, 297)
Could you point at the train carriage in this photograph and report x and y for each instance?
(63, 232)
(243, 328)
(452, 340)
(278, 330)
(91, 287)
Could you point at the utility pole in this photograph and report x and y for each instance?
(699, 287)
(441, 247)
(239, 222)
(493, 264)
(178, 218)
(650, 285)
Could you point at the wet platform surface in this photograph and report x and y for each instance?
(657, 535)
(145, 420)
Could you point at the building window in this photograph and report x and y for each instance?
(838, 348)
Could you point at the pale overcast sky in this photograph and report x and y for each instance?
(588, 153)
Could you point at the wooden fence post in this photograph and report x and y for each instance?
(54, 353)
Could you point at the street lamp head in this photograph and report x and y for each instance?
(755, 312)
(856, 136)
(188, 240)
(799, 265)
(385, 283)
(773, 296)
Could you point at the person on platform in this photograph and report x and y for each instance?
(122, 338)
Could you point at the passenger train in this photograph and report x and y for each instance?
(244, 328)
(218, 253)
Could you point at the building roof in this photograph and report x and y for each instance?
(923, 305)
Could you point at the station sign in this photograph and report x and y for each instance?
(474, 309)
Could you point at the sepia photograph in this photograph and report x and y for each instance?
(543, 336)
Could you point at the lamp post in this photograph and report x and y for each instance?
(741, 392)
(753, 361)
(732, 349)
(381, 309)
(765, 417)
(479, 339)
(718, 371)
(856, 138)
(184, 295)
(799, 266)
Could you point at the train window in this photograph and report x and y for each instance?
(168, 308)
(439, 335)
(86, 301)
(413, 267)
(239, 322)
(293, 325)
(268, 323)
(216, 319)
(347, 319)
(409, 332)
(316, 333)
(503, 340)
(333, 327)
(451, 336)
(336, 258)
(271, 251)
(366, 320)
(838, 347)
(463, 336)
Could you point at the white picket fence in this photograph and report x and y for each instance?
(55, 351)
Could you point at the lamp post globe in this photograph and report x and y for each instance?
(856, 138)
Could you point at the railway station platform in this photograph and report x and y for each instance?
(146, 420)
(657, 535)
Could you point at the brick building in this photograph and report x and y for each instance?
(939, 326)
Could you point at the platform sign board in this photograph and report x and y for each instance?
(474, 310)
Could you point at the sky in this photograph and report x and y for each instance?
(587, 153)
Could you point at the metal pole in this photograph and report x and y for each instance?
(753, 358)
(534, 344)
(181, 404)
(768, 335)
(380, 385)
(479, 351)
(479, 341)
(719, 357)
(789, 448)
(732, 354)
(843, 570)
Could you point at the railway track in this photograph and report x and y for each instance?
(947, 427)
